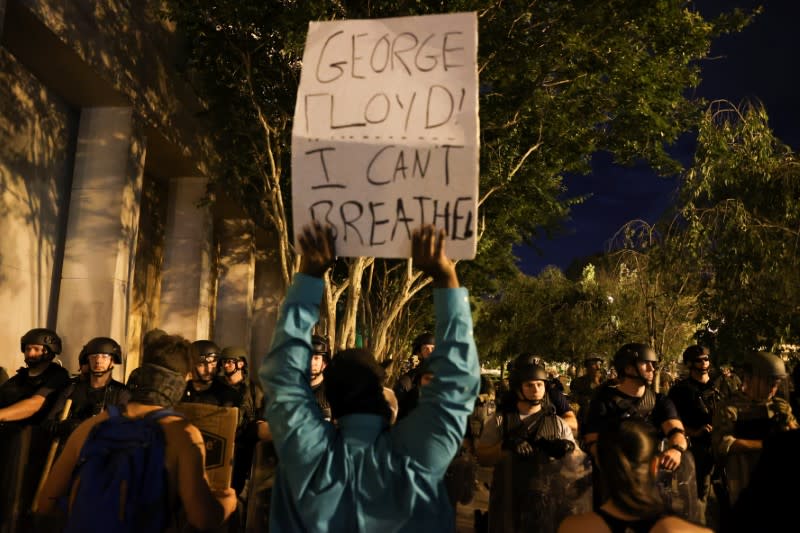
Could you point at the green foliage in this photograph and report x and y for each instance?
(559, 81)
(640, 293)
(548, 315)
(655, 291)
(562, 78)
(742, 230)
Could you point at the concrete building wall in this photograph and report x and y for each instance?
(187, 281)
(60, 61)
(130, 48)
(145, 289)
(236, 272)
(37, 140)
(102, 230)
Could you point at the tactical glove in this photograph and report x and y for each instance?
(523, 448)
(556, 448)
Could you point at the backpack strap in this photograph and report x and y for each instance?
(158, 414)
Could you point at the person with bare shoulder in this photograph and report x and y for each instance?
(79, 470)
(627, 458)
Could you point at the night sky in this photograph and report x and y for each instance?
(759, 64)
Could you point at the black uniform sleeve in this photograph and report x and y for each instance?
(599, 414)
(559, 401)
(54, 381)
(664, 410)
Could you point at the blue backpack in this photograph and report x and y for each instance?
(121, 477)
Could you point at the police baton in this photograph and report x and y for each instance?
(51, 455)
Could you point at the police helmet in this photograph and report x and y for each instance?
(319, 346)
(206, 347)
(527, 359)
(234, 352)
(46, 337)
(631, 354)
(526, 372)
(766, 365)
(101, 345)
(420, 340)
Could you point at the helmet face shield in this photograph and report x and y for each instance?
(101, 345)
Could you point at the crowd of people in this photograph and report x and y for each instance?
(351, 451)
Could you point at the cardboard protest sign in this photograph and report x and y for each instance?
(218, 426)
(385, 134)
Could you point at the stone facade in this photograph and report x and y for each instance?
(103, 166)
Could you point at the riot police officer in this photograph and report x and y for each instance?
(27, 397)
(25, 400)
(536, 464)
(695, 397)
(421, 348)
(748, 417)
(320, 358)
(553, 396)
(631, 396)
(582, 387)
(91, 394)
(204, 387)
(241, 392)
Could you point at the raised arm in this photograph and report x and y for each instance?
(432, 433)
(298, 429)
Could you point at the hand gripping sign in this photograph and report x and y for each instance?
(385, 134)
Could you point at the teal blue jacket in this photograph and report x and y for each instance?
(362, 476)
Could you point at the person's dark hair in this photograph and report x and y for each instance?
(354, 384)
(152, 335)
(625, 453)
(172, 352)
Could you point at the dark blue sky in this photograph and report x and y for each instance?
(759, 63)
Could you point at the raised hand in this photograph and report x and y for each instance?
(427, 252)
(317, 249)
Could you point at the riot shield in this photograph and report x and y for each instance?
(679, 489)
(535, 494)
(23, 451)
(739, 466)
(259, 495)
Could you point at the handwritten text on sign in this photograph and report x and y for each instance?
(385, 133)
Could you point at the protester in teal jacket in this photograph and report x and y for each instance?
(359, 474)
